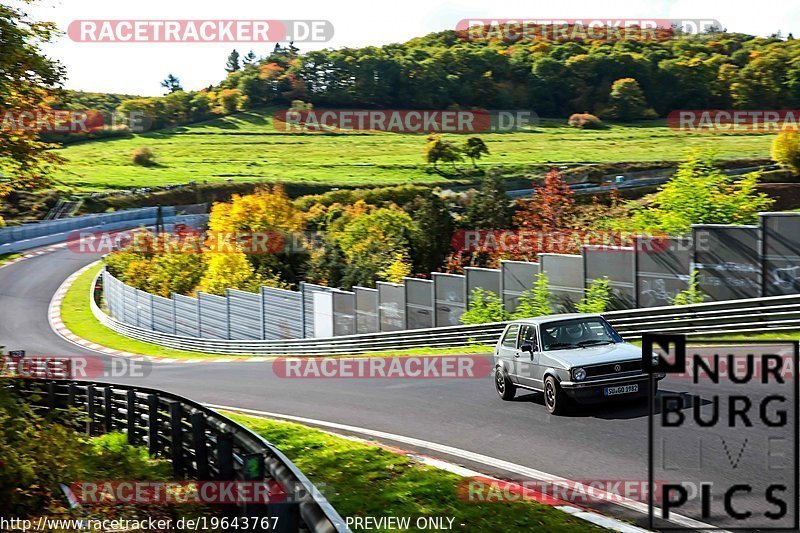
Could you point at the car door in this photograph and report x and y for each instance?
(507, 350)
(527, 363)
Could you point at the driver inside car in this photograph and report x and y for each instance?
(572, 334)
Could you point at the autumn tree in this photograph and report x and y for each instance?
(269, 216)
(375, 245)
(228, 271)
(551, 208)
(27, 84)
(786, 149)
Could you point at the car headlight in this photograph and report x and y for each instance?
(579, 374)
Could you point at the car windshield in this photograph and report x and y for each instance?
(577, 333)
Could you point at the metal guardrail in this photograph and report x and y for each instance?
(201, 444)
(775, 313)
(48, 232)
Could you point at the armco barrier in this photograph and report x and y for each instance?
(751, 315)
(777, 313)
(201, 444)
(49, 232)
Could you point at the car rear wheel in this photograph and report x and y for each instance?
(503, 384)
(554, 398)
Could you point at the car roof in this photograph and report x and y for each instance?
(553, 318)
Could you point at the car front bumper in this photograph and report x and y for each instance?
(592, 391)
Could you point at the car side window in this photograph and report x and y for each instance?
(510, 338)
(528, 336)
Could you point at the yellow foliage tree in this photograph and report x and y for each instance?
(228, 271)
(266, 209)
(786, 149)
(398, 269)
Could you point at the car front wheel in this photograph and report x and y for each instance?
(554, 398)
(504, 387)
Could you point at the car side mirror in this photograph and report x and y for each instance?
(527, 347)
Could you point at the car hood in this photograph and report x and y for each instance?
(596, 355)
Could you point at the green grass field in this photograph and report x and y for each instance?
(246, 147)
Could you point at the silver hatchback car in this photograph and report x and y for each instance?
(571, 358)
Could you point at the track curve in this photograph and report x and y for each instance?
(608, 442)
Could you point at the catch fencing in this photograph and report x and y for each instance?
(200, 443)
(779, 313)
(731, 262)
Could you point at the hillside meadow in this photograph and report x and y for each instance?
(246, 147)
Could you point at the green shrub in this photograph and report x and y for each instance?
(143, 157)
(597, 297)
(536, 301)
(691, 295)
(484, 306)
(585, 121)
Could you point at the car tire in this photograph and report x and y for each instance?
(503, 385)
(555, 400)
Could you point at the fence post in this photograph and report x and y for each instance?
(302, 310)
(152, 424)
(90, 409)
(199, 445)
(227, 314)
(225, 470)
(262, 315)
(176, 441)
(131, 408)
(71, 394)
(108, 419)
(174, 314)
(51, 395)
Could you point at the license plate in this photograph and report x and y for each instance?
(623, 389)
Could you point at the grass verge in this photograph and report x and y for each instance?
(362, 480)
(8, 257)
(77, 316)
